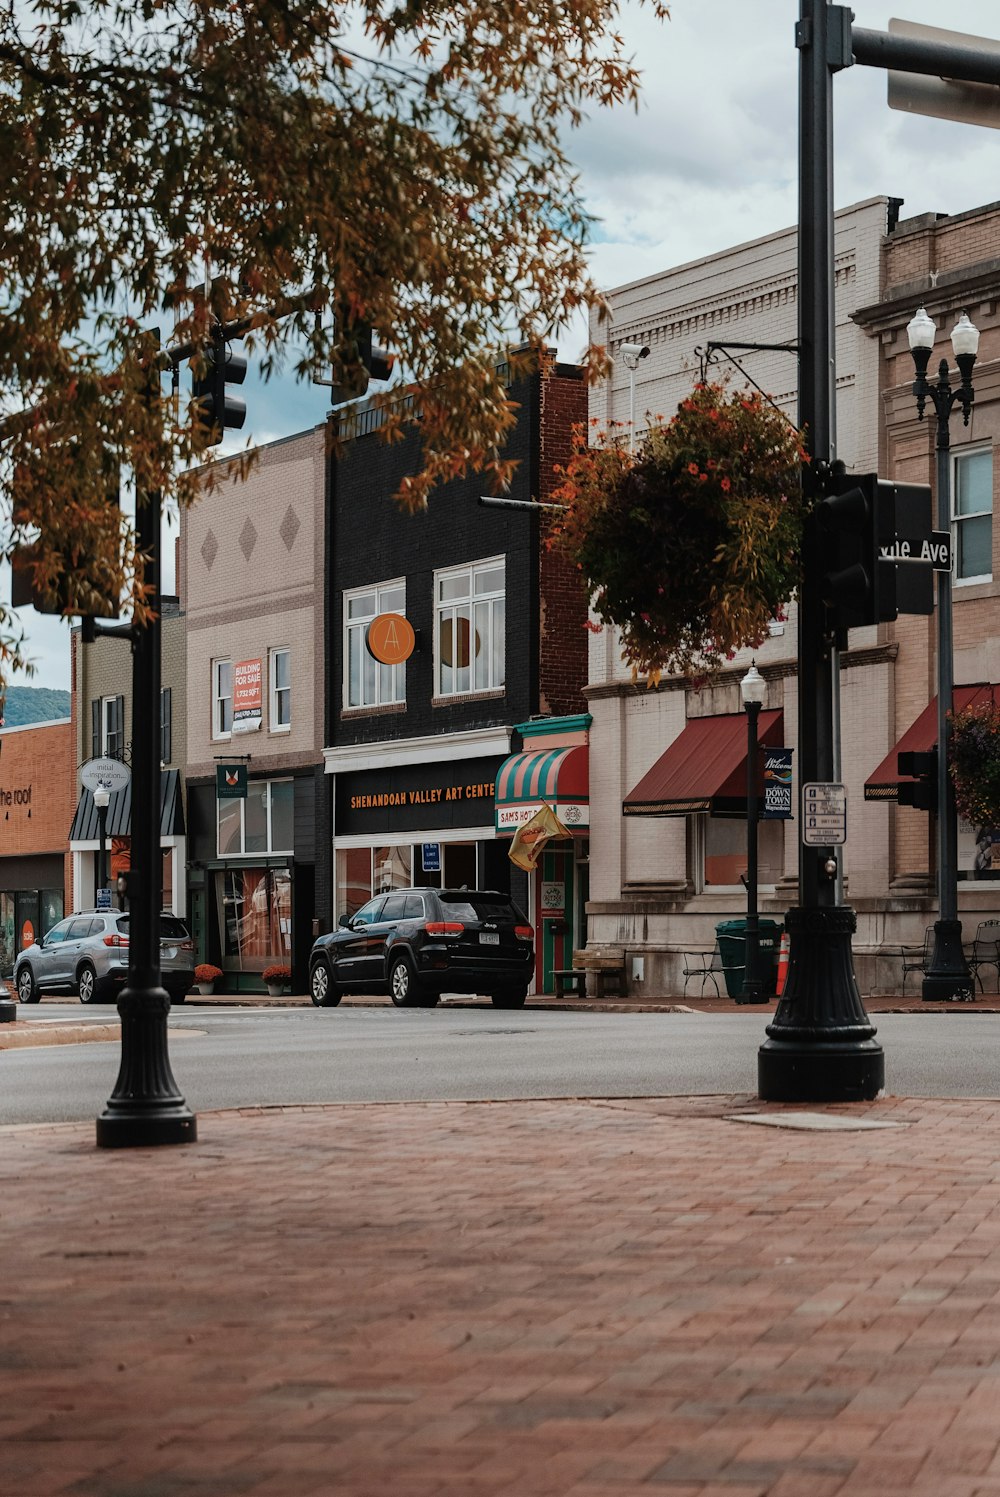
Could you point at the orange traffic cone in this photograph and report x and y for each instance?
(782, 964)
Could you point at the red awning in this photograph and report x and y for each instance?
(704, 769)
(920, 737)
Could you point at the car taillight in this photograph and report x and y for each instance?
(116, 940)
(524, 932)
(185, 946)
(444, 927)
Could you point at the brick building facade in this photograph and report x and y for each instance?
(662, 882)
(415, 750)
(251, 576)
(36, 806)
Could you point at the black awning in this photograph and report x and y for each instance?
(85, 826)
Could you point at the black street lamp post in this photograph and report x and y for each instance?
(948, 975)
(146, 1106)
(752, 690)
(102, 799)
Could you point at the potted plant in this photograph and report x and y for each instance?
(690, 544)
(205, 978)
(277, 977)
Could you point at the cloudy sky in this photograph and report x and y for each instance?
(709, 161)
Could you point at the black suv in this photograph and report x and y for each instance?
(420, 943)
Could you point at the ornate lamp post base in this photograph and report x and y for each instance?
(145, 1108)
(948, 978)
(821, 1044)
(8, 1011)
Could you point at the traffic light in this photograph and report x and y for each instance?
(357, 358)
(922, 794)
(853, 519)
(215, 405)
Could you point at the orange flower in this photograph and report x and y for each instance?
(725, 485)
(693, 468)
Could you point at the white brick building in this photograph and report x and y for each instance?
(660, 884)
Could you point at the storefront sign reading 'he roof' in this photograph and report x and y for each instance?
(248, 679)
(390, 638)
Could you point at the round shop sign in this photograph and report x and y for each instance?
(27, 935)
(111, 773)
(390, 638)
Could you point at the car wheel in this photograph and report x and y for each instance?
(510, 998)
(322, 988)
(27, 988)
(86, 983)
(403, 987)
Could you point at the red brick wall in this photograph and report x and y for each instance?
(36, 776)
(562, 645)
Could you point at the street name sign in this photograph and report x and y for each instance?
(824, 814)
(933, 550)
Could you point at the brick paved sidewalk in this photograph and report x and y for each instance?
(590, 1299)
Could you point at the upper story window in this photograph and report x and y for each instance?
(166, 724)
(469, 625)
(973, 516)
(222, 698)
(109, 727)
(369, 683)
(281, 691)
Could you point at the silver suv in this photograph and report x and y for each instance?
(88, 954)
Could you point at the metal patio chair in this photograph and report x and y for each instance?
(917, 958)
(986, 950)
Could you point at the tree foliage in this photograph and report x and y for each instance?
(405, 159)
(691, 544)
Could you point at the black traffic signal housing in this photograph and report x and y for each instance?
(217, 407)
(856, 516)
(922, 791)
(357, 358)
(64, 599)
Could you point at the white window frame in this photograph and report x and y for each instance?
(270, 851)
(390, 680)
(109, 749)
(449, 608)
(957, 520)
(217, 699)
(273, 723)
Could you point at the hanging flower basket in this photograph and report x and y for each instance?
(974, 764)
(691, 546)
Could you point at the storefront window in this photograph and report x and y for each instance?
(354, 879)
(7, 948)
(254, 911)
(393, 868)
(263, 823)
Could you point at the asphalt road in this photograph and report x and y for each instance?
(246, 1057)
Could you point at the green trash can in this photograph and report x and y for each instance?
(731, 936)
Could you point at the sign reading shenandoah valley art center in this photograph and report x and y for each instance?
(417, 797)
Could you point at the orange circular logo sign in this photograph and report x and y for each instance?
(390, 638)
(27, 935)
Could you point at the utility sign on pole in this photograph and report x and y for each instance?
(945, 98)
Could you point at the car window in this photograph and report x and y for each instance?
(478, 907)
(79, 929)
(395, 907)
(171, 929)
(57, 933)
(369, 912)
(413, 908)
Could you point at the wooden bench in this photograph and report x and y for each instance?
(607, 968)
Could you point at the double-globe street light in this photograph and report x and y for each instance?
(753, 689)
(948, 975)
